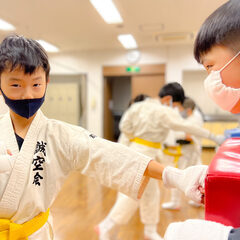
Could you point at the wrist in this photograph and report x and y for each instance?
(154, 170)
(171, 177)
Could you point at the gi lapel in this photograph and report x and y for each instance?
(20, 173)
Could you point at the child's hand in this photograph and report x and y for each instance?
(189, 180)
(9, 152)
(219, 139)
(188, 137)
(3, 149)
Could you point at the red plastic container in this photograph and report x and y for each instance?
(222, 185)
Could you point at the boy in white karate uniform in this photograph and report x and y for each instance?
(217, 47)
(44, 151)
(147, 124)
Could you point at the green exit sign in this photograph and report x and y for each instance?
(133, 69)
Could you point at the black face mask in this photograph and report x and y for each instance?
(26, 107)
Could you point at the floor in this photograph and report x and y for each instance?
(83, 203)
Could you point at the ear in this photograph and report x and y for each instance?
(48, 80)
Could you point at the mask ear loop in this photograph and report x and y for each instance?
(229, 61)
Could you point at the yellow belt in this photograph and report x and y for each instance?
(146, 143)
(12, 231)
(177, 154)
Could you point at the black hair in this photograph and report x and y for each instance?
(222, 27)
(173, 89)
(138, 98)
(25, 53)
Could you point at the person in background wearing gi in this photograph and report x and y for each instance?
(217, 48)
(146, 124)
(106, 230)
(190, 149)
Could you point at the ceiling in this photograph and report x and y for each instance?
(75, 25)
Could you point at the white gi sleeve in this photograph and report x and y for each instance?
(180, 135)
(111, 164)
(175, 122)
(195, 229)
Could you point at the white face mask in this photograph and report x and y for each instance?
(170, 104)
(225, 97)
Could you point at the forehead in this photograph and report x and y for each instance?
(19, 73)
(218, 53)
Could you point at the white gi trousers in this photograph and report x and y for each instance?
(149, 204)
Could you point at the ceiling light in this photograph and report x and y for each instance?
(107, 10)
(128, 41)
(5, 26)
(48, 46)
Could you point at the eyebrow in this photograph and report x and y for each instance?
(14, 79)
(37, 78)
(19, 79)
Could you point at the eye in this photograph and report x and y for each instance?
(15, 85)
(208, 67)
(37, 85)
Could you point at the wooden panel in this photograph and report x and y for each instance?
(145, 69)
(108, 119)
(149, 85)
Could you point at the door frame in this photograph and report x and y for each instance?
(113, 71)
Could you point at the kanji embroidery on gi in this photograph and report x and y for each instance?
(37, 177)
(41, 148)
(38, 161)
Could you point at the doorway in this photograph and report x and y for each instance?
(120, 86)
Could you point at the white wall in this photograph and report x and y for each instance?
(180, 59)
(193, 83)
(176, 58)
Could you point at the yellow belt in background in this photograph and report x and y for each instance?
(12, 231)
(176, 154)
(146, 143)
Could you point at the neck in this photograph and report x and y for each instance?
(21, 124)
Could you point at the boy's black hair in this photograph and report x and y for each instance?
(222, 27)
(25, 53)
(173, 89)
(138, 98)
